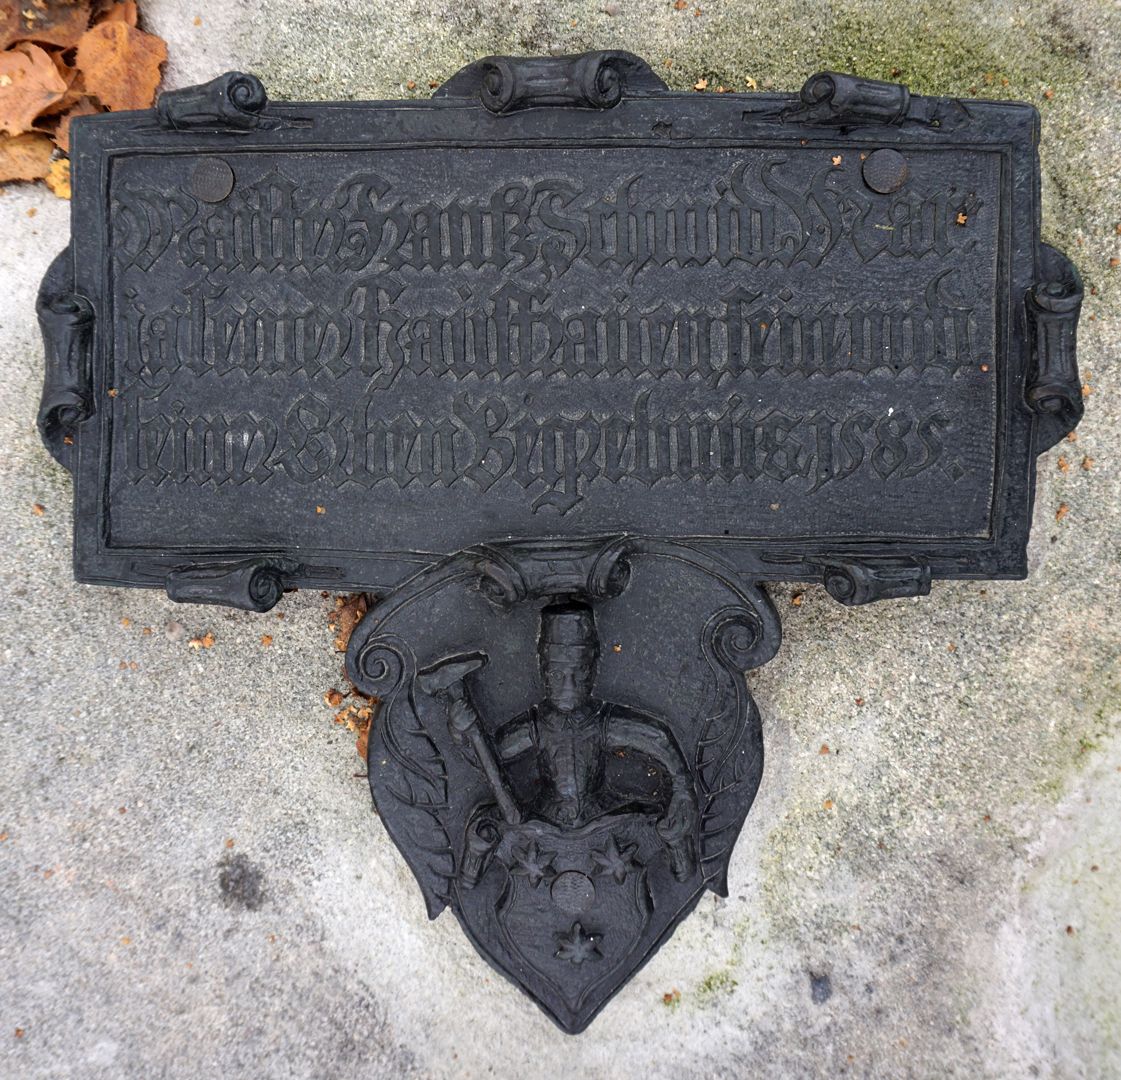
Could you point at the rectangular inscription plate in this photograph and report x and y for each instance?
(360, 334)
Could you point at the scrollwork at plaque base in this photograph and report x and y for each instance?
(566, 748)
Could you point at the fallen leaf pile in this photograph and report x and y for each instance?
(356, 716)
(60, 59)
(347, 614)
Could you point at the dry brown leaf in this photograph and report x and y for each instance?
(58, 178)
(204, 642)
(49, 22)
(25, 157)
(75, 91)
(29, 83)
(121, 64)
(124, 11)
(348, 613)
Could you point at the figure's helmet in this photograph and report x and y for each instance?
(568, 633)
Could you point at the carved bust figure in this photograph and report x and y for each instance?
(571, 734)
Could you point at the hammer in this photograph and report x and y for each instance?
(444, 680)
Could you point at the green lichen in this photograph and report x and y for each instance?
(716, 984)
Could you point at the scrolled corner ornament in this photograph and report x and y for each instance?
(234, 101)
(600, 361)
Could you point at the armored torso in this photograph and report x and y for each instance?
(570, 762)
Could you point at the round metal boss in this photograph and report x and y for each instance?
(212, 181)
(885, 171)
(572, 891)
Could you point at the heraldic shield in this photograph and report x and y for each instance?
(566, 748)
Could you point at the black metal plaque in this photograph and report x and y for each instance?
(563, 366)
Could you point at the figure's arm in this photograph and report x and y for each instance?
(676, 827)
(632, 731)
(513, 738)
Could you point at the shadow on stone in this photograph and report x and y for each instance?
(240, 882)
(821, 988)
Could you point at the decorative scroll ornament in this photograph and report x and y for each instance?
(234, 101)
(594, 80)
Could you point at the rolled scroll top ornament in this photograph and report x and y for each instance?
(564, 367)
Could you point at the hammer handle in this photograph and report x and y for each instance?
(489, 764)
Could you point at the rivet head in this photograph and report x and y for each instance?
(885, 171)
(212, 181)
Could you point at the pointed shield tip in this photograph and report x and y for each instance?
(719, 886)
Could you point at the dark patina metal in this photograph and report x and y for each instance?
(562, 366)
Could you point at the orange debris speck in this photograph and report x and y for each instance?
(796, 600)
(836, 159)
(230, 843)
(1062, 511)
(828, 804)
(266, 640)
(38, 509)
(824, 748)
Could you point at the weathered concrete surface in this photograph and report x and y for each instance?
(954, 913)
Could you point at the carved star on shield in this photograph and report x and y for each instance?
(535, 864)
(616, 861)
(577, 946)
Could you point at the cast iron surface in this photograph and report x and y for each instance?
(563, 366)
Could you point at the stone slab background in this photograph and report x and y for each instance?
(954, 913)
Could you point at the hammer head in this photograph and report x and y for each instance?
(444, 674)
